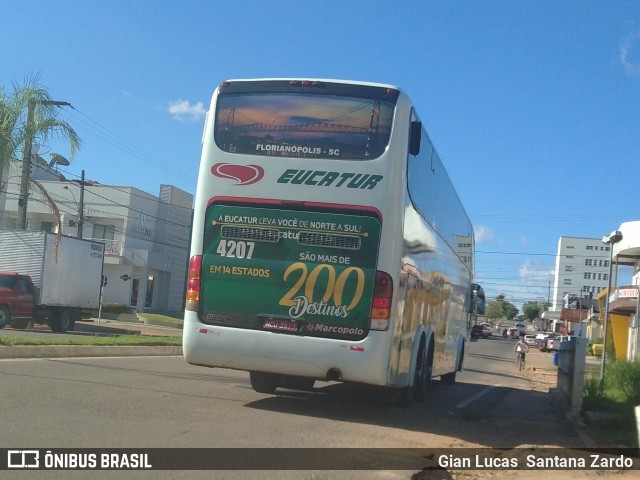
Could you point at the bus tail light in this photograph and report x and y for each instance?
(381, 304)
(193, 283)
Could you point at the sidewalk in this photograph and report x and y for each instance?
(94, 325)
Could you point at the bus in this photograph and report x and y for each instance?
(328, 242)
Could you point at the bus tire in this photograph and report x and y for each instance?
(422, 376)
(294, 382)
(263, 382)
(448, 378)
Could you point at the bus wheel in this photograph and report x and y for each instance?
(264, 382)
(422, 377)
(448, 378)
(297, 383)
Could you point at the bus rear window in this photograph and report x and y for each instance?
(303, 125)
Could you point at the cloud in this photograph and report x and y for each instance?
(483, 234)
(630, 63)
(535, 280)
(183, 111)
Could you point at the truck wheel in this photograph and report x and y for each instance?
(5, 316)
(64, 322)
(264, 382)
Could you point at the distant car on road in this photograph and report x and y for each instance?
(487, 327)
(478, 331)
(514, 333)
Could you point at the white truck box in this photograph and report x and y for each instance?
(66, 271)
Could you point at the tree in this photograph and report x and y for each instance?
(531, 310)
(28, 115)
(500, 308)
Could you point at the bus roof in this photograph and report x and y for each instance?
(327, 80)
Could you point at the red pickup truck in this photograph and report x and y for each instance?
(16, 300)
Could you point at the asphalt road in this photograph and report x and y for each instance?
(161, 402)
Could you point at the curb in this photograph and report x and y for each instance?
(58, 351)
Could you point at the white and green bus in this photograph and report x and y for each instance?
(328, 242)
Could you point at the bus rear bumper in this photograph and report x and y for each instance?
(255, 350)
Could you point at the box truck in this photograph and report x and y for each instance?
(48, 279)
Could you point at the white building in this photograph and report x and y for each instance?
(146, 237)
(582, 269)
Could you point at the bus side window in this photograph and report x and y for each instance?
(415, 134)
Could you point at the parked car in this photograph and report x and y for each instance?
(530, 340)
(478, 331)
(544, 335)
(488, 328)
(545, 344)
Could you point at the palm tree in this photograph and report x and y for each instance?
(28, 115)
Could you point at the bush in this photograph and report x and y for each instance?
(594, 395)
(624, 376)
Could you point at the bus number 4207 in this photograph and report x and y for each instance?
(235, 249)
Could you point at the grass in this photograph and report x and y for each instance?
(614, 402)
(124, 340)
(165, 318)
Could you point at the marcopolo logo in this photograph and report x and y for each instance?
(242, 174)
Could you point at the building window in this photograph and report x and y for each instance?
(568, 256)
(587, 276)
(104, 232)
(46, 226)
(568, 268)
(569, 246)
(588, 262)
(567, 281)
(606, 263)
(589, 247)
(605, 276)
(599, 276)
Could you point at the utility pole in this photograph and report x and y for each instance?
(81, 206)
(21, 223)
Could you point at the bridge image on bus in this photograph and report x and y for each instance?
(328, 242)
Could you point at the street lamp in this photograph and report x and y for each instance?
(610, 240)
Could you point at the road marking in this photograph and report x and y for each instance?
(475, 396)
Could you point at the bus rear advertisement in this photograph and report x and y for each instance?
(300, 272)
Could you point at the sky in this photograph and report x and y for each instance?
(533, 106)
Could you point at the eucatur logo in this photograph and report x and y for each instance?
(242, 174)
